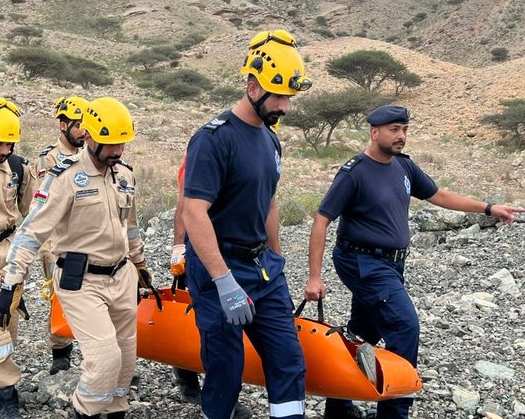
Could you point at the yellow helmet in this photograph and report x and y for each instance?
(9, 122)
(108, 121)
(72, 107)
(275, 62)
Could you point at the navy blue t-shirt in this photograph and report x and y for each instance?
(234, 166)
(372, 199)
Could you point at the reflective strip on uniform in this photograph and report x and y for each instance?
(85, 392)
(6, 350)
(133, 233)
(120, 392)
(281, 410)
(22, 240)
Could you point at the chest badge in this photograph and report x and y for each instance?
(81, 179)
(407, 185)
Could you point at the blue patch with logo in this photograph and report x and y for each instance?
(407, 185)
(81, 179)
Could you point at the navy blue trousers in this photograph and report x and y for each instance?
(381, 308)
(272, 333)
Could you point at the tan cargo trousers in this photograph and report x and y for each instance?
(9, 372)
(102, 316)
(48, 265)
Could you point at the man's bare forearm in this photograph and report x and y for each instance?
(272, 228)
(179, 232)
(317, 245)
(202, 236)
(454, 201)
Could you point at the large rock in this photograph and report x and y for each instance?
(465, 399)
(56, 390)
(519, 408)
(494, 371)
(507, 283)
(425, 240)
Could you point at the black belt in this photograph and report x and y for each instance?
(242, 252)
(97, 269)
(6, 233)
(394, 255)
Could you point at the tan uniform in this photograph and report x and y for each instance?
(48, 158)
(94, 214)
(13, 206)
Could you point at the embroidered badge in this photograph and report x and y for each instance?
(81, 179)
(40, 197)
(407, 185)
(277, 162)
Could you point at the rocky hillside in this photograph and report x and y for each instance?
(466, 276)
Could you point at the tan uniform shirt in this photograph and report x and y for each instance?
(52, 155)
(87, 212)
(13, 207)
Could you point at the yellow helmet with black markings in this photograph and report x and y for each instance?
(9, 122)
(108, 121)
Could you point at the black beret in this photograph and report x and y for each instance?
(388, 114)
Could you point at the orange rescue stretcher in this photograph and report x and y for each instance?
(170, 336)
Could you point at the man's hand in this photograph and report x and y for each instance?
(236, 304)
(315, 289)
(146, 281)
(505, 213)
(10, 301)
(178, 261)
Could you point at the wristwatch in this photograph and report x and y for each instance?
(488, 209)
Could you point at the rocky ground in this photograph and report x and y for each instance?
(466, 277)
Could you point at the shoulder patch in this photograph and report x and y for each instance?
(61, 167)
(217, 122)
(350, 164)
(46, 150)
(403, 156)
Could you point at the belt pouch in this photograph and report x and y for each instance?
(73, 271)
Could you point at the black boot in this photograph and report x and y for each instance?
(241, 412)
(79, 415)
(61, 359)
(9, 403)
(116, 415)
(188, 382)
(341, 409)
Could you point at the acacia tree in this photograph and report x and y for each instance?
(406, 80)
(510, 120)
(368, 69)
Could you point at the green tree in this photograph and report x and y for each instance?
(306, 118)
(510, 120)
(500, 54)
(146, 58)
(41, 62)
(26, 34)
(406, 80)
(368, 69)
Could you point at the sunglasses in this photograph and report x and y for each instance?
(4, 103)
